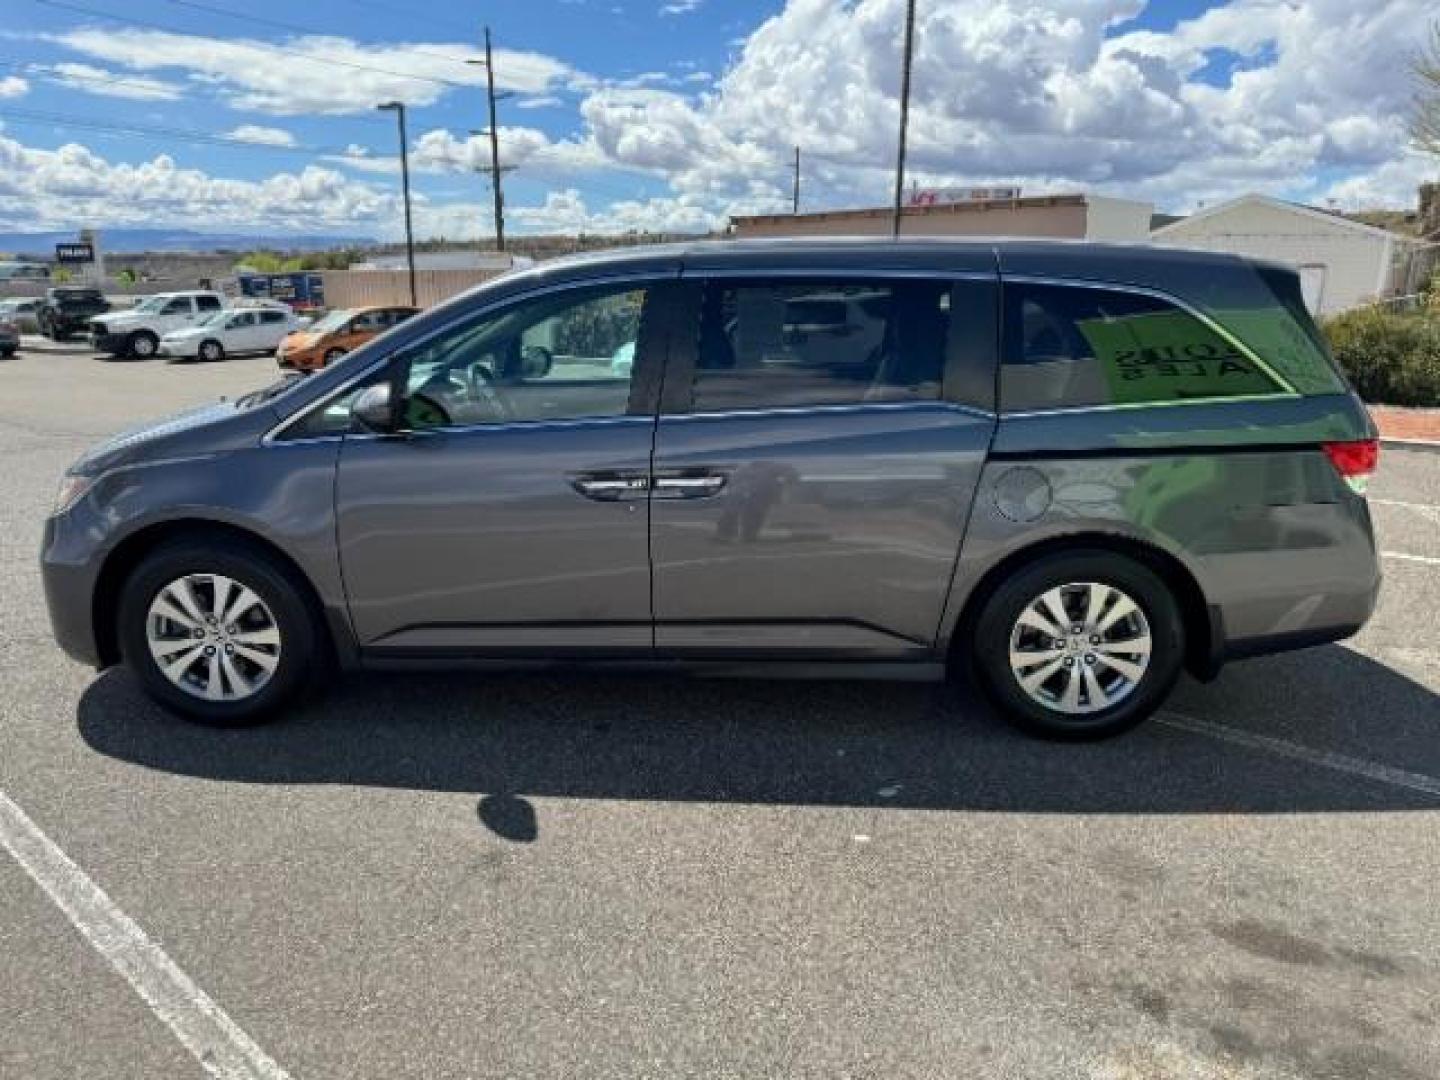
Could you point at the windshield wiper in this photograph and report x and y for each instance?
(275, 389)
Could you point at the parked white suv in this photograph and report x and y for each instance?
(256, 327)
(137, 332)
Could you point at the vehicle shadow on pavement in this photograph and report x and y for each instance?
(823, 743)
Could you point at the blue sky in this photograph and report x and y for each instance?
(619, 117)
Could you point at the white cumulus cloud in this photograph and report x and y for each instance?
(266, 136)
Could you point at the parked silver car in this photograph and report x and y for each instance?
(23, 312)
(1067, 470)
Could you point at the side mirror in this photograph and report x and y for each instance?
(374, 410)
(535, 362)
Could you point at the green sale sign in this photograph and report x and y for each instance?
(1170, 356)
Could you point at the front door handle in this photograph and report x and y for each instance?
(689, 487)
(611, 487)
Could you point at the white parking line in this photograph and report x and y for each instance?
(201, 1025)
(1425, 510)
(1326, 759)
(1405, 556)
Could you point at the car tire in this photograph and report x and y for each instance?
(143, 344)
(211, 351)
(333, 355)
(281, 630)
(1071, 685)
(7, 353)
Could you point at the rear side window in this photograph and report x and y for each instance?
(776, 344)
(1274, 321)
(1076, 347)
(208, 303)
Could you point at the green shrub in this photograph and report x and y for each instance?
(1392, 358)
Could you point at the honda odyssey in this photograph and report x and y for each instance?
(1066, 471)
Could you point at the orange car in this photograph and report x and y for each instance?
(336, 334)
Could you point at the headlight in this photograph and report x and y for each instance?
(72, 490)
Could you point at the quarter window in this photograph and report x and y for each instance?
(776, 344)
(1073, 347)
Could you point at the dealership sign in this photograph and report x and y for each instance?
(74, 253)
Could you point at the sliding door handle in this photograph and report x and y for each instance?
(612, 487)
(689, 487)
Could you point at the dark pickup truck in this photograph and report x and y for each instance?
(68, 310)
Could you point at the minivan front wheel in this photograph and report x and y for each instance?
(217, 632)
(1080, 645)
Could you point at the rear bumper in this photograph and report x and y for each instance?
(1299, 595)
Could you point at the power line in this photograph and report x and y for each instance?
(63, 5)
(290, 27)
(158, 89)
(206, 138)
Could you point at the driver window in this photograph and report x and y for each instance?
(563, 356)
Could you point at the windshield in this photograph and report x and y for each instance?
(216, 319)
(154, 303)
(334, 321)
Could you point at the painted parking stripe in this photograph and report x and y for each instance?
(217, 1042)
(1405, 556)
(1326, 759)
(1426, 510)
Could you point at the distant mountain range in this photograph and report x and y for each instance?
(132, 241)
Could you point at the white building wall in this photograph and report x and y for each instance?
(1353, 265)
(1117, 219)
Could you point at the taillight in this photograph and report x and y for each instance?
(1354, 461)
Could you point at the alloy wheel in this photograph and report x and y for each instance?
(213, 637)
(1080, 648)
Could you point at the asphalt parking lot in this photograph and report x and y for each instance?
(458, 876)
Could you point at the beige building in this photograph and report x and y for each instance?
(1342, 263)
(1066, 217)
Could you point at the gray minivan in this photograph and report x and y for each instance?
(1070, 470)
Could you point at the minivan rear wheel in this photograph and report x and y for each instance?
(1080, 645)
(218, 631)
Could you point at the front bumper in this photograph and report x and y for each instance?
(67, 572)
(177, 348)
(109, 342)
(298, 361)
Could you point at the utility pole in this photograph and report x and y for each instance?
(904, 112)
(795, 196)
(398, 108)
(494, 134)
